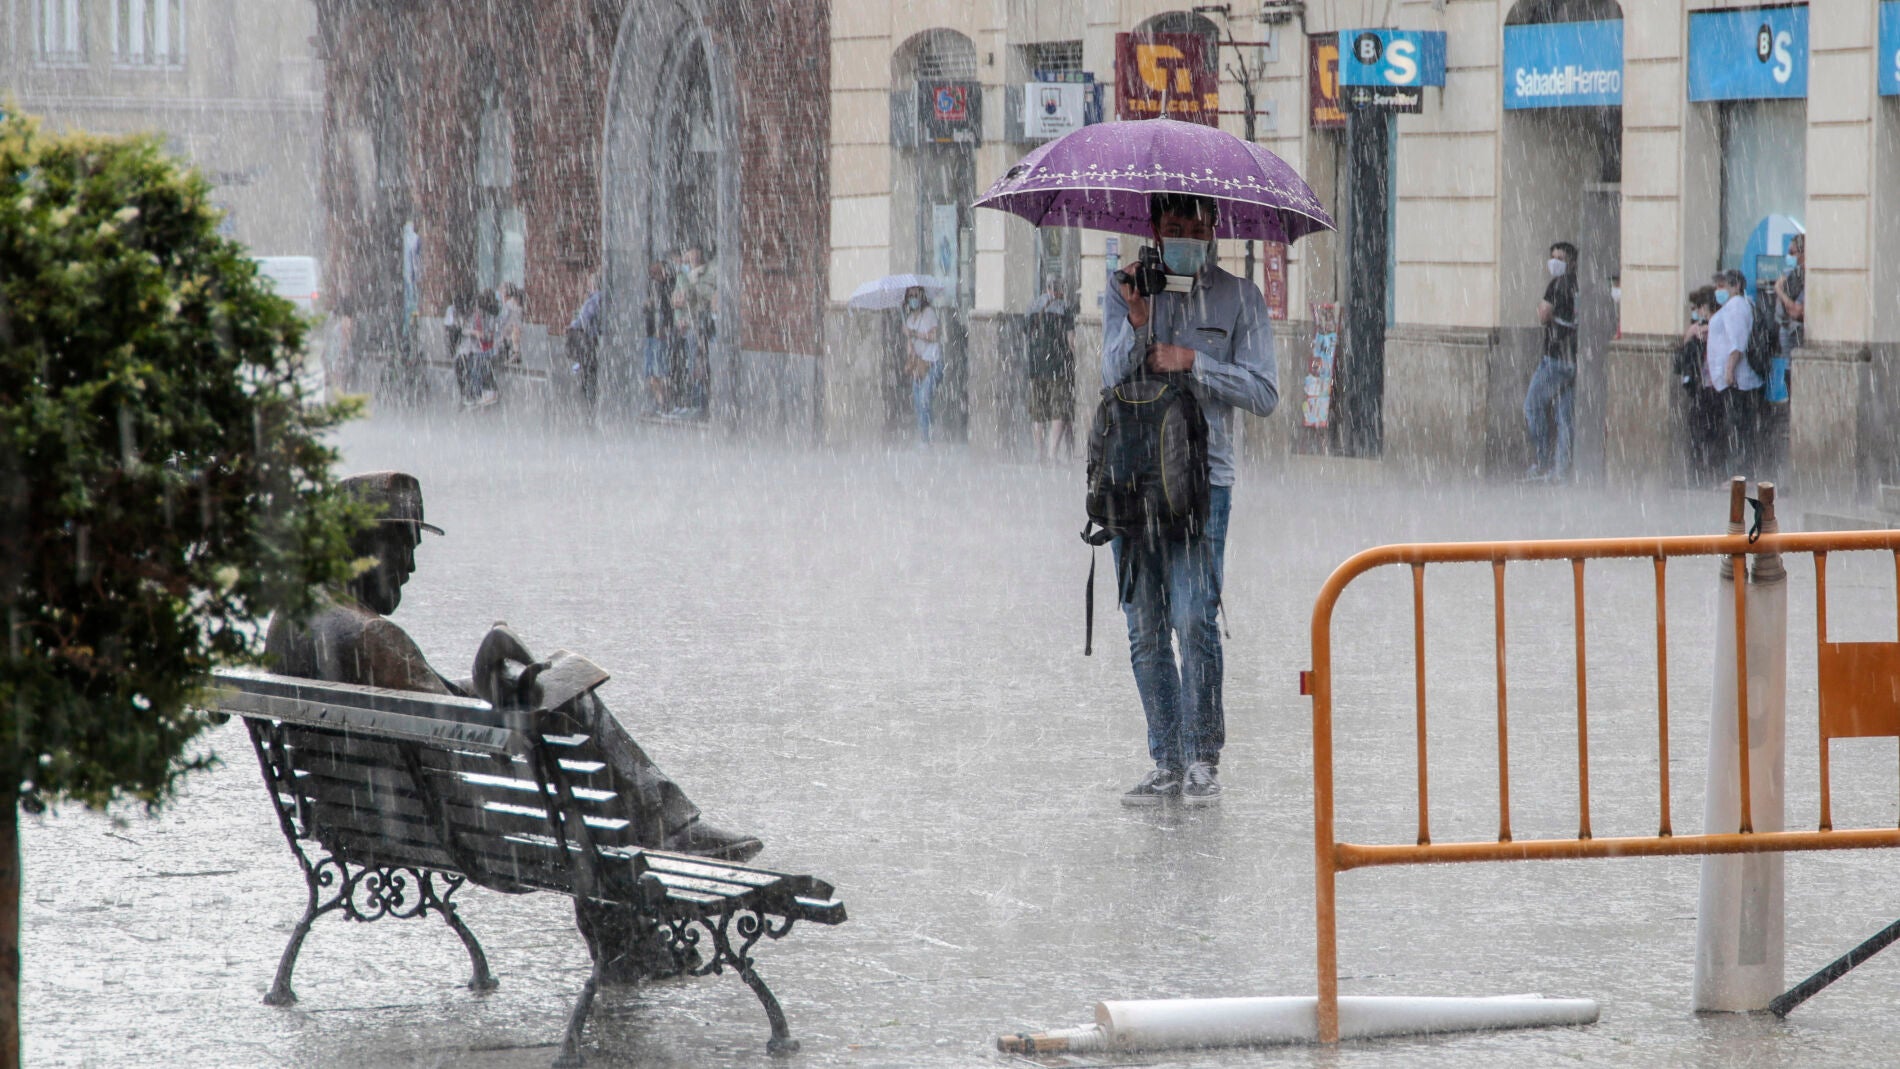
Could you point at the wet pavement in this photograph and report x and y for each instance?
(874, 662)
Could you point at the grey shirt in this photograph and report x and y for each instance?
(1225, 321)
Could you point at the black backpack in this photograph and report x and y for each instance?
(1764, 339)
(1147, 473)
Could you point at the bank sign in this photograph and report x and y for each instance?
(1391, 59)
(1889, 60)
(1563, 64)
(1749, 54)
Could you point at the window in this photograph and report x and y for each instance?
(1054, 56)
(148, 33)
(58, 37)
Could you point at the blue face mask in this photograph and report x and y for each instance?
(1183, 256)
(1721, 297)
(1789, 262)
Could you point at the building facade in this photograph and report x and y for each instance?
(232, 87)
(553, 144)
(1663, 139)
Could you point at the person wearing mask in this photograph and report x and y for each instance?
(1220, 334)
(1051, 367)
(695, 305)
(1550, 401)
(1791, 294)
(1704, 417)
(1729, 372)
(923, 361)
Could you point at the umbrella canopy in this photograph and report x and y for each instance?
(888, 292)
(1100, 177)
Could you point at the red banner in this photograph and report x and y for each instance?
(1275, 255)
(1166, 75)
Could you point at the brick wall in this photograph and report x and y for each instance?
(419, 72)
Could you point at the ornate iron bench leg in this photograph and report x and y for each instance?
(482, 980)
(280, 992)
(570, 1056)
(781, 1041)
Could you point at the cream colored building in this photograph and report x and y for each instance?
(231, 85)
(1658, 191)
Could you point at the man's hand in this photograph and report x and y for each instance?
(1137, 306)
(1164, 358)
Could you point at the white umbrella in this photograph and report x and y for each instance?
(888, 292)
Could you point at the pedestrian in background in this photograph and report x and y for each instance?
(695, 302)
(508, 323)
(1050, 363)
(658, 354)
(1729, 372)
(923, 362)
(583, 343)
(1550, 401)
(1704, 418)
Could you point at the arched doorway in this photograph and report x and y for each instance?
(933, 181)
(1561, 181)
(669, 180)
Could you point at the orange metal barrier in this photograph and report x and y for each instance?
(1859, 697)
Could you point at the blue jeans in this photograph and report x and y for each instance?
(1553, 387)
(1176, 594)
(921, 391)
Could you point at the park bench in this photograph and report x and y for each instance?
(393, 800)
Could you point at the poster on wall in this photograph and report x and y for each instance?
(1322, 82)
(1166, 75)
(950, 113)
(1051, 108)
(1275, 254)
(943, 241)
(1317, 386)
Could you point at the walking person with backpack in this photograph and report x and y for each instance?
(1177, 330)
(1550, 400)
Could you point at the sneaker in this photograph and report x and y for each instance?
(1202, 786)
(1160, 784)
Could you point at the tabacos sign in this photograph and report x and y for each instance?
(1563, 64)
(1167, 76)
(1749, 54)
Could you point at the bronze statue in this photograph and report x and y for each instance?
(349, 639)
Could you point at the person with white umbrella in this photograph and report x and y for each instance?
(923, 361)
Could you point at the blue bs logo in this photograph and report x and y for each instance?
(1367, 48)
(1771, 46)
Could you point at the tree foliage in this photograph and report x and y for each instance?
(164, 486)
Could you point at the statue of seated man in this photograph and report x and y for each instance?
(349, 639)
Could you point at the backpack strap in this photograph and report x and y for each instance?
(1088, 609)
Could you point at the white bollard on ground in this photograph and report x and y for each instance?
(1740, 962)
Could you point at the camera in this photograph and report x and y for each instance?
(1149, 278)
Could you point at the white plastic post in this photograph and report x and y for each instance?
(1740, 961)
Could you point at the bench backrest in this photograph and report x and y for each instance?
(515, 800)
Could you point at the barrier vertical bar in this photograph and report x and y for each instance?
(1820, 642)
(1326, 934)
(1741, 685)
(1504, 735)
(1418, 665)
(1662, 696)
(1583, 711)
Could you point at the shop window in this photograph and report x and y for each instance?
(59, 34)
(148, 33)
(1763, 169)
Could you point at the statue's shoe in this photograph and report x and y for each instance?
(709, 840)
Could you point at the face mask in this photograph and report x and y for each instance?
(1721, 297)
(1184, 256)
(1616, 294)
(913, 303)
(1556, 267)
(1695, 317)
(1788, 261)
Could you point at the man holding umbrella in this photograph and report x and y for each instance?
(1220, 332)
(1187, 184)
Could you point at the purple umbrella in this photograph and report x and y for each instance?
(1101, 176)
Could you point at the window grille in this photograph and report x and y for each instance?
(946, 57)
(1054, 56)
